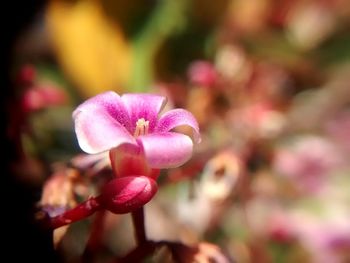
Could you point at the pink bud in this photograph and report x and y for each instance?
(40, 97)
(202, 73)
(126, 194)
(53, 95)
(32, 100)
(27, 74)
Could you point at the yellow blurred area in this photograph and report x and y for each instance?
(92, 50)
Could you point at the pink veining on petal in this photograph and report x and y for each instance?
(102, 122)
(166, 150)
(177, 117)
(97, 131)
(112, 104)
(144, 106)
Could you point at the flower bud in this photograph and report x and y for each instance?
(41, 97)
(27, 75)
(202, 73)
(126, 194)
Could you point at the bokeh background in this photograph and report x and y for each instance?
(269, 83)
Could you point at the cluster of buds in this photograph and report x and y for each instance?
(38, 94)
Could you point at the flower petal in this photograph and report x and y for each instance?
(111, 103)
(98, 131)
(145, 106)
(177, 117)
(166, 150)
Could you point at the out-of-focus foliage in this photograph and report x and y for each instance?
(86, 41)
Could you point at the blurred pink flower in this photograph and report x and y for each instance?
(202, 73)
(338, 127)
(307, 161)
(325, 235)
(129, 125)
(92, 162)
(279, 227)
(40, 97)
(261, 120)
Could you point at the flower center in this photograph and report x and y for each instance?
(141, 127)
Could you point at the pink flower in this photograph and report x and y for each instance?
(139, 144)
(129, 126)
(308, 161)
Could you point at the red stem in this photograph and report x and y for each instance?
(139, 226)
(77, 213)
(95, 240)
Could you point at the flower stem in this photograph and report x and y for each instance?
(94, 243)
(77, 213)
(139, 225)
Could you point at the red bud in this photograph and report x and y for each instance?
(126, 194)
(202, 73)
(27, 75)
(40, 97)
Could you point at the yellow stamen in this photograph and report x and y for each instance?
(141, 127)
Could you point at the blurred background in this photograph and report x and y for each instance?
(269, 83)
